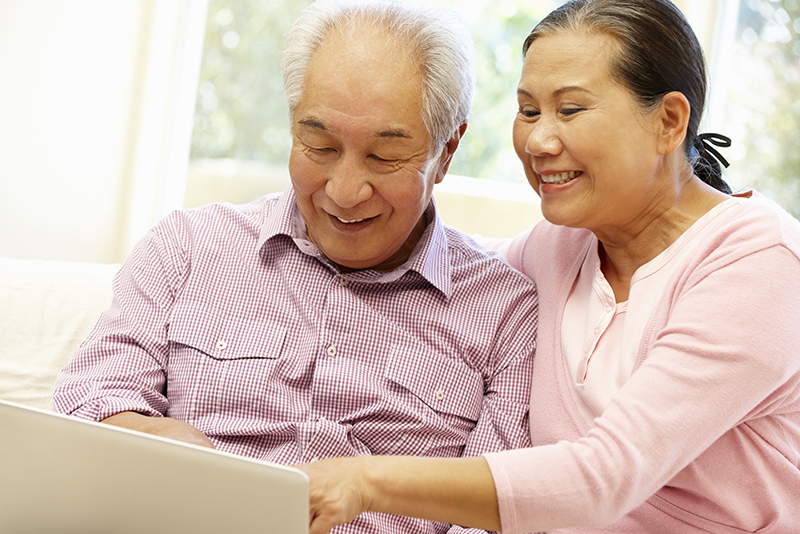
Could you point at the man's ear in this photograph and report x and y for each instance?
(448, 150)
(672, 121)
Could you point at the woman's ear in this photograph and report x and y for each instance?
(672, 121)
(448, 151)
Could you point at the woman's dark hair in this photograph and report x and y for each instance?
(658, 53)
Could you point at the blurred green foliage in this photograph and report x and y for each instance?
(763, 107)
(241, 112)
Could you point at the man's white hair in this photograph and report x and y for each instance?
(436, 37)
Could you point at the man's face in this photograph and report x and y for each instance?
(361, 162)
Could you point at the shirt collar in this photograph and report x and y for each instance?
(430, 258)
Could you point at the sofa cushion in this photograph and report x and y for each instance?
(46, 309)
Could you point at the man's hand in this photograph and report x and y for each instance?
(165, 427)
(338, 492)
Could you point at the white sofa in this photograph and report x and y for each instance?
(46, 309)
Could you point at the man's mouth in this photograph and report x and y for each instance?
(350, 221)
(560, 178)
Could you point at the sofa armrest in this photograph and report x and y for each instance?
(46, 309)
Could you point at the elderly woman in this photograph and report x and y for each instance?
(666, 389)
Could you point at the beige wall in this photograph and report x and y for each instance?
(96, 106)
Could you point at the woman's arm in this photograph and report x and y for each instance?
(725, 356)
(452, 490)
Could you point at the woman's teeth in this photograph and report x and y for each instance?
(561, 178)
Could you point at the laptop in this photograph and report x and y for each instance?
(62, 475)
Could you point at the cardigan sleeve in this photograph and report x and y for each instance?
(726, 354)
(512, 248)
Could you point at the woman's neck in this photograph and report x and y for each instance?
(624, 250)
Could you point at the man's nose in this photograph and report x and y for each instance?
(349, 183)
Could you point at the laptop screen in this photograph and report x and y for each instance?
(64, 475)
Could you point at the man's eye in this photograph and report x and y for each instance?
(322, 150)
(380, 159)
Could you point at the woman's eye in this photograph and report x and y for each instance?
(529, 112)
(571, 111)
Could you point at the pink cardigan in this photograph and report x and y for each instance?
(705, 435)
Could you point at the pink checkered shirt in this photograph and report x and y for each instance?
(229, 318)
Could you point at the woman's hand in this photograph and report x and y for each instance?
(338, 492)
(450, 490)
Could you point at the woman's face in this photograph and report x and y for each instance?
(588, 150)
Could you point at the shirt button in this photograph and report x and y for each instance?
(332, 350)
(342, 282)
(440, 395)
(221, 344)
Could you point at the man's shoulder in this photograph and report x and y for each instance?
(214, 228)
(224, 214)
(464, 247)
(488, 290)
(468, 257)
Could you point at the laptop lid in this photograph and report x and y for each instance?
(62, 475)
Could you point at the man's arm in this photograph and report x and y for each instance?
(121, 365)
(166, 427)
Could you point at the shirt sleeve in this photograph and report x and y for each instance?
(120, 366)
(727, 354)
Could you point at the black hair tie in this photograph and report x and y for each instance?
(703, 143)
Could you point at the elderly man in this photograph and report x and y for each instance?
(340, 317)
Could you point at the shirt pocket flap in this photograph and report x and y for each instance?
(444, 384)
(226, 338)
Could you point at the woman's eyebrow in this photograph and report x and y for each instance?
(572, 88)
(557, 92)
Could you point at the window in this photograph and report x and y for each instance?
(241, 121)
(761, 90)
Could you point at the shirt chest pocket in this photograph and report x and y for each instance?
(446, 385)
(224, 338)
(221, 366)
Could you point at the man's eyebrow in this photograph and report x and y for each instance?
(313, 123)
(393, 132)
(317, 124)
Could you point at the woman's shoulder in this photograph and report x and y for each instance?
(759, 222)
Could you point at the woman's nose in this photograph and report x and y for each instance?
(543, 139)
